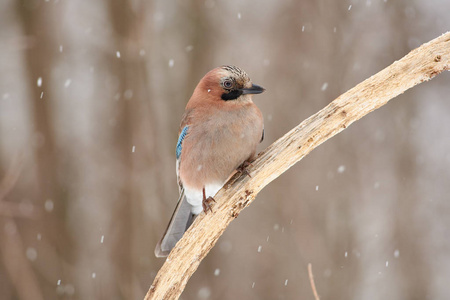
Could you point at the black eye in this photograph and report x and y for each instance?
(227, 84)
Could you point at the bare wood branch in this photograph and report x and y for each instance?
(418, 66)
(311, 280)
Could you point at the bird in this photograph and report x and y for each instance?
(219, 133)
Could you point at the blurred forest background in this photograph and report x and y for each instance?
(91, 96)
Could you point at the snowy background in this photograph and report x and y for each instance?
(91, 96)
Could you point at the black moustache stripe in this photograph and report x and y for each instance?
(233, 95)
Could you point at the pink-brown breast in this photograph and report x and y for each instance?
(220, 138)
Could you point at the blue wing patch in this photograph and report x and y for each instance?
(180, 140)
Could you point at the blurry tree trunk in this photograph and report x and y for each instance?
(305, 73)
(19, 269)
(38, 23)
(418, 66)
(128, 20)
(202, 54)
(415, 280)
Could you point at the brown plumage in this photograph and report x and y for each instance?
(220, 130)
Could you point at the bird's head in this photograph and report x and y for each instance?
(228, 84)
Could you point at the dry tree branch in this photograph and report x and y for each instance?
(418, 66)
(311, 280)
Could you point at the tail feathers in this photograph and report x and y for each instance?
(181, 219)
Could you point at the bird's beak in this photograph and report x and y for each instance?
(255, 89)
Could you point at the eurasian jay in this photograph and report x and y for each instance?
(219, 133)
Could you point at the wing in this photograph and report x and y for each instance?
(262, 136)
(178, 150)
(184, 129)
(180, 141)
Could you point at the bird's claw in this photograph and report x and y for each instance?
(206, 203)
(243, 168)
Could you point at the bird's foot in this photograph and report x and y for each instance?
(206, 203)
(243, 168)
